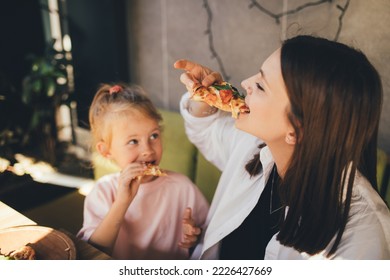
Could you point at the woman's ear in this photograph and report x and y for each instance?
(102, 148)
(291, 138)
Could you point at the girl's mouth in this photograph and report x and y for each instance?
(153, 162)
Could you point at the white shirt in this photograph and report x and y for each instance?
(367, 234)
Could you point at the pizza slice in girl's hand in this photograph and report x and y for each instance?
(222, 96)
(154, 170)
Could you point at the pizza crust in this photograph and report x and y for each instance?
(154, 170)
(25, 252)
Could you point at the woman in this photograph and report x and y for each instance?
(314, 112)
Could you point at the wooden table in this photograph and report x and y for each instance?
(9, 217)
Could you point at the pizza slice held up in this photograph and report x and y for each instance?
(222, 96)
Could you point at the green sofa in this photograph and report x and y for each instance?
(383, 175)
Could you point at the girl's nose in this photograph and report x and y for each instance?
(147, 149)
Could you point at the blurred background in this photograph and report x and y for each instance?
(55, 53)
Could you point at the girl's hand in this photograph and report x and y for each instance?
(129, 181)
(196, 74)
(190, 231)
(106, 233)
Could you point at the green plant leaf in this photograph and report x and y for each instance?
(51, 87)
(36, 86)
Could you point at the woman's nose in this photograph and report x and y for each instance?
(245, 85)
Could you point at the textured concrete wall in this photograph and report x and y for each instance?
(235, 36)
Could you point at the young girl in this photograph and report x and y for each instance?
(129, 215)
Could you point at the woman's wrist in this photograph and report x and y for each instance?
(200, 109)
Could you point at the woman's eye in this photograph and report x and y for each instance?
(259, 86)
(133, 142)
(154, 136)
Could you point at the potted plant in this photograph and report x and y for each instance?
(44, 89)
(13, 115)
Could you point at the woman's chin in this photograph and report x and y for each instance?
(242, 116)
(240, 119)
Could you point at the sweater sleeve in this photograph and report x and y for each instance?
(215, 135)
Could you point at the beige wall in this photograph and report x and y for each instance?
(162, 31)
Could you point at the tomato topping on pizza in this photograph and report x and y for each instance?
(222, 96)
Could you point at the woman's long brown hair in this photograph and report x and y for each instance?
(336, 97)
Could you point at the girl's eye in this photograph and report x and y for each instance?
(154, 136)
(133, 142)
(259, 87)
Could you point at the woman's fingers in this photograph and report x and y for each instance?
(185, 65)
(211, 79)
(188, 80)
(196, 74)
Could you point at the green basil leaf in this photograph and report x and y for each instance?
(236, 93)
(220, 87)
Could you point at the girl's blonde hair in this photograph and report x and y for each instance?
(113, 101)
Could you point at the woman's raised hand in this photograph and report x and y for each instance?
(196, 75)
